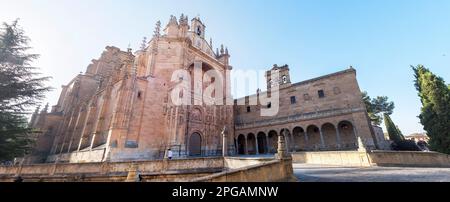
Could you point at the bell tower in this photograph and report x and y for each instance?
(198, 27)
(282, 80)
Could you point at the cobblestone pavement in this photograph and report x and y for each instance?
(321, 173)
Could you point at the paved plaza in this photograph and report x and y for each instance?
(321, 173)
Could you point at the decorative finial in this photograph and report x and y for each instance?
(144, 43)
(226, 51)
(129, 48)
(37, 109)
(217, 51)
(210, 42)
(221, 49)
(45, 108)
(173, 20)
(183, 20)
(157, 29)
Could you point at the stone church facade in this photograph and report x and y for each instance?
(121, 108)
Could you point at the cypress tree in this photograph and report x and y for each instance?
(435, 113)
(394, 132)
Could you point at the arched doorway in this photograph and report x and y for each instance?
(195, 145)
(251, 143)
(299, 139)
(347, 134)
(241, 145)
(262, 143)
(329, 136)
(273, 142)
(314, 141)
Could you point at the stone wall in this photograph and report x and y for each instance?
(374, 158)
(79, 157)
(269, 171)
(104, 171)
(237, 162)
(341, 158)
(401, 158)
(232, 169)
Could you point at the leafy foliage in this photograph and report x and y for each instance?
(20, 88)
(435, 113)
(376, 107)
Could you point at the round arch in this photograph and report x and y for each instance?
(314, 141)
(329, 136)
(273, 142)
(287, 137)
(241, 145)
(348, 135)
(251, 143)
(262, 143)
(300, 139)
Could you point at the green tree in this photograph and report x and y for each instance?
(376, 107)
(394, 132)
(21, 87)
(435, 113)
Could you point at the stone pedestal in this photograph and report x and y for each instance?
(281, 152)
(133, 175)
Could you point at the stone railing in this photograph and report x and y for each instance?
(269, 171)
(111, 168)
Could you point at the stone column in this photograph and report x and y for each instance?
(356, 136)
(338, 138)
(256, 145)
(322, 141)
(224, 143)
(292, 142)
(306, 141)
(267, 144)
(246, 146)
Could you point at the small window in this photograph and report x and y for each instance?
(293, 100)
(139, 94)
(269, 105)
(321, 93)
(248, 109)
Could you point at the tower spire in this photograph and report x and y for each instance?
(222, 51)
(156, 33)
(144, 43)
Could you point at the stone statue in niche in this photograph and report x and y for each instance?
(196, 115)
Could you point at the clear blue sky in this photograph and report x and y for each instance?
(380, 38)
